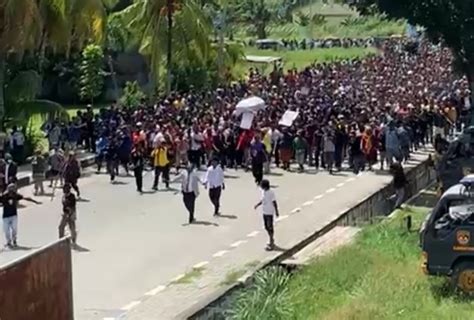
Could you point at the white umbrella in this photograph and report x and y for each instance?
(252, 104)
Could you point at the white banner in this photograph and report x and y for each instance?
(247, 118)
(288, 118)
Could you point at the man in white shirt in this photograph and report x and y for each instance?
(214, 180)
(196, 145)
(190, 189)
(269, 210)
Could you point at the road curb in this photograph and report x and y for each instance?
(25, 179)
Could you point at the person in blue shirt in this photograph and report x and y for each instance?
(100, 147)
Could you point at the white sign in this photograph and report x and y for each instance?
(288, 118)
(247, 119)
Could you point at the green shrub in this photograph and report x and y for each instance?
(132, 95)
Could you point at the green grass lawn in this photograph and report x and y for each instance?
(377, 277)
(302, 58)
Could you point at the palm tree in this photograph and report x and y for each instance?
(174, 31)
(32, 26)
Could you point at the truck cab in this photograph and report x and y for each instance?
(447, 236)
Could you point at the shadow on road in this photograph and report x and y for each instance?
(201, 223)
(79, 248)
(227, 216)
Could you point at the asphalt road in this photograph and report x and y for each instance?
(134, 243)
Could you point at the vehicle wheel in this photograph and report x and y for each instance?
(463, 277)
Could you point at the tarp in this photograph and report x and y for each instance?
(252, 104)
(288, 118)
(262, 59)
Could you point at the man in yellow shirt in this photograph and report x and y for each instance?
(161, 164)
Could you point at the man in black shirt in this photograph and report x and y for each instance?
(138, 160)
(10, 199)
(69, 214)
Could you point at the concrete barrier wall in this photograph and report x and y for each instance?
(368, 210)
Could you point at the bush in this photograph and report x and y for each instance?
(267, 299)
(92, 73)
(132, 95)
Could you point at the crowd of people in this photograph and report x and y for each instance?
(367, 111)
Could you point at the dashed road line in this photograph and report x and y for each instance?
(237, 243)
(108, 318)
(340, 184)
(350, 180)
(220, 253)
(178, 278)
(330, 190)
(253, 234)
(200, 265)
(131, 305)
(308, 203)
(319, 196)
(155, 291)
(295, 210)
(281, 218)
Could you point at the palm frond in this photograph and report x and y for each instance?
(22, 111)
(21, 26)
(25, 86)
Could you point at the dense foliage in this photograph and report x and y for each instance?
(92, 73)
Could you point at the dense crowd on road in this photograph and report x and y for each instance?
(374, 110)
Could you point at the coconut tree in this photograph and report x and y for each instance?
(171, 31)
(34, 26)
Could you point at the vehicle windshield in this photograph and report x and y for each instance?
(454, 211)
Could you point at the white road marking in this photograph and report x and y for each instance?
(281, 218)
(340, 184)
(181, 276)
(350, 180)
(130, 306)
(253, 234)
(330, 190)
(238, 243)
(295, 210)
(220, 253)
(200, 265)
(155, 291)
(319, 196)
(308, 203)
(109, 318)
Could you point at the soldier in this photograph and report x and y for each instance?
(69, 213)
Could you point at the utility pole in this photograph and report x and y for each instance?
(169, 57)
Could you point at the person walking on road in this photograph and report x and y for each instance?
(214, 180)
(68, 217)
(72, 172)
(138, 161)
(189, 189)
(269, 210)
(259, 156)
(161, 164)
(10, 199)
(112, 159)
(38, 168)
